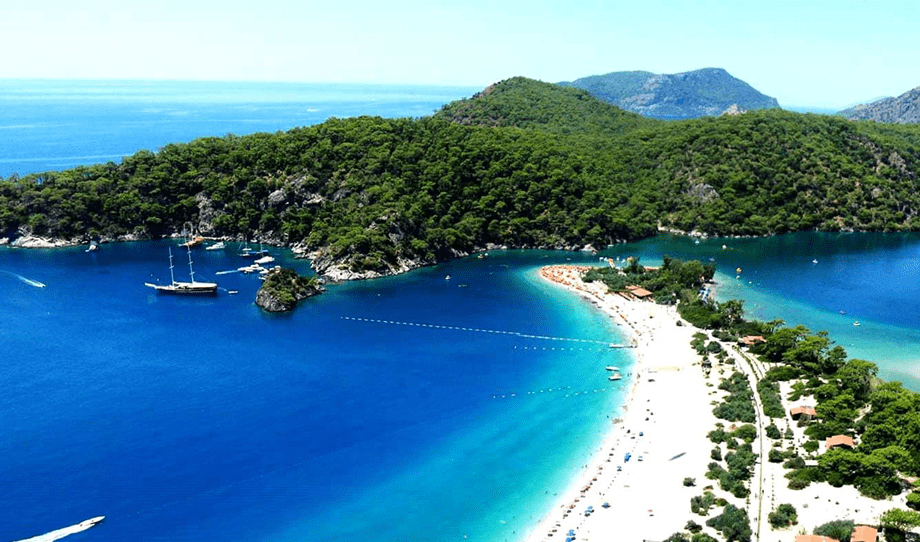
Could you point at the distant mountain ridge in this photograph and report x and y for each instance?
(904, 109)
(687, 95)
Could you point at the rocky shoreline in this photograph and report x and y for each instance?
(331, 269)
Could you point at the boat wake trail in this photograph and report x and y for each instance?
(227, 272)
(30, 282)
(66, 531)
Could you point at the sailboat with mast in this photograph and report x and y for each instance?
(193, 287)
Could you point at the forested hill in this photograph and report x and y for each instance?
(687, 95)
(522, 164)
(526, 103)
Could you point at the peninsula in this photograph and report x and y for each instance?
(759, 465)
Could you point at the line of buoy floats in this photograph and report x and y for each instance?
(551, 390)
(479, 330)
(559, 349)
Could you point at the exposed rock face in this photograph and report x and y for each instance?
(206, 214)
(905, 109)
(734, 110)
(698, 93)
(342, 269)
(283, 288)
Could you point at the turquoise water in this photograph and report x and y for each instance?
(206, 419)
(874, 278)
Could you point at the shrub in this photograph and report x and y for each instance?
(701, 504)
(775, 456)
(689, 482)
(811, 446)
(838, 529)
(769, 396)
(702, 537)
(913, 501)
(784, 516)
(746, 432)
(678, 537)
(693, 526)
(773, 431)
(716, 454)
(733, 523)
(795, 462)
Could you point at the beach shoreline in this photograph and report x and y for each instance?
(646, 497)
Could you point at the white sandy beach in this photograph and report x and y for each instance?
(670, 403)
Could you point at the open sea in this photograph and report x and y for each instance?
(408, 408)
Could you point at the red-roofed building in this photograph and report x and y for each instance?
(639, 292)
(864, 533)
(837, 441)
(799, 411)
(751, 340)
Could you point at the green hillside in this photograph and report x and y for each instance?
(523, 163)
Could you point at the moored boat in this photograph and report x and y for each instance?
(176, 287)
(194, 242)
(220, 245)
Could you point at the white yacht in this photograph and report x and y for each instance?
(194, 287)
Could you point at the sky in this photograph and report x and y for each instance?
(817, 53)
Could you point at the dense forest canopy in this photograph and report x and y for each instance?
(522, 163)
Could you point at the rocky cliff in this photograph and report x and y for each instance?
(904, 109)
(687, 95)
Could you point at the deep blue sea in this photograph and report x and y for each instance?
(48, 125)
(409, 408)
(206, 419)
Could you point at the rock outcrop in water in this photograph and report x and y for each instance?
(283, 288)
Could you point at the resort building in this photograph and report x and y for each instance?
(640, 293)
(838, 441)
(751, 340)
(864, 533)
(799, 411)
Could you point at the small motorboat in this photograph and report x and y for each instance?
(194, 242)
(615, 376)
(856, 323)
(220, 245)
(93, 246)
(612, 368)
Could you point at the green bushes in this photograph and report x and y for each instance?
(702, 503)
(773, 432)
(770, 398)
(738, 406)
(784, 516)
(838, 529)
(733, 523)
